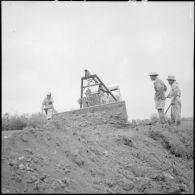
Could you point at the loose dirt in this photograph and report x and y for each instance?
(77, 155)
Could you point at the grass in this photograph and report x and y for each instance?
(179, 140)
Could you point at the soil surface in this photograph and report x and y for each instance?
(77, 155)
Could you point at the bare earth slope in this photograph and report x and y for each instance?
(91, 153)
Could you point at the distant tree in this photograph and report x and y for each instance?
(5, 121)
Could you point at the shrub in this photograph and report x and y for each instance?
(16, 122)
(36, 120)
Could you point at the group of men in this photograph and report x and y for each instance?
(160, 98)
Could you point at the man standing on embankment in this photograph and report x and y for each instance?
(175, 94)
(159, 98)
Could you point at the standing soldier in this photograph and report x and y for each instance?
(47, 105)
(175, 95)
(159, 98)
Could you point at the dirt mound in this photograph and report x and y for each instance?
(91, 153)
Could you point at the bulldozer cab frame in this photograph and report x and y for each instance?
(97, 82)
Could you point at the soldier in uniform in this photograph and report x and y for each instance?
(47, 106)
(175, 94)
(159, 98)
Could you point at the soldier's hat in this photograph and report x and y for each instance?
(171, 78)
(153, 74)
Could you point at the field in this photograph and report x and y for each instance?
(98, 153)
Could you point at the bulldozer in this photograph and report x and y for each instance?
(90, 101)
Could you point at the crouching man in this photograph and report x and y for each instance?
(47, 106)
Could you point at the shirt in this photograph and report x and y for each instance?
(160, 89)
(48, 103)
(175, 92)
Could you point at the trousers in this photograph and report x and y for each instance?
(49, 113)
(176, 112)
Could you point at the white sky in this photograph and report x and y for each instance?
(47, 45)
